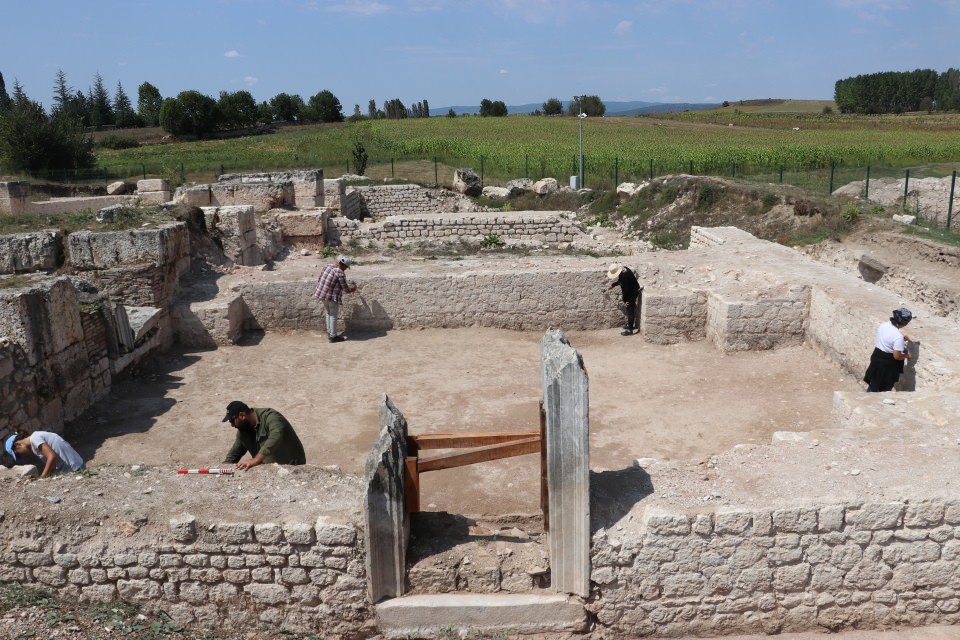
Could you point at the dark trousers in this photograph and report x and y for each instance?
(630, 310)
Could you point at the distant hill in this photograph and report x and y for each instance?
(613, 108)
(667, 107)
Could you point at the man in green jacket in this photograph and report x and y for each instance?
(263, 433)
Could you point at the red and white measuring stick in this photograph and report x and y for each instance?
(206, 471)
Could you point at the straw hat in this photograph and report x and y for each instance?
(614, 271)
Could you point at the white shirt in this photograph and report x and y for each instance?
(69, 459)
(889, 339)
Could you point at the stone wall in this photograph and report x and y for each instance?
(35, 251)
(829, 565)
(302, 572)
(772, 318)
(538, 227)
(262, 191)
(397, 200)
(51, 373)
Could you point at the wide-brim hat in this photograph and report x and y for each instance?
(8, 447)
(614, 271)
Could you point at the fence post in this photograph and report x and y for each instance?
(691, 167)
(781, 174)
(436, 172)
(953, 183)
(391, 167)
(616, 172)
(221, 170)
(651, 168)
(144, 167)
(181, 173)
(526, 166)
(348, 166)
(906, 187)
(833, 166)
(733, 169)
(866, 189)
(481, 172)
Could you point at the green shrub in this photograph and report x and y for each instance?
(770, 199)
(116, 141)
(708, 195)
(491, 242)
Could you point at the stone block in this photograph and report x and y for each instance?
(566, 407)
(387, 529)
(153, 198)
(35, 251)
(298, 533)
(183, 528)
(153, 184)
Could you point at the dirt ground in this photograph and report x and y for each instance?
(646, 401)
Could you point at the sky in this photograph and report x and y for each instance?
(458, 52)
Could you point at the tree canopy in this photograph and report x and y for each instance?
(326, 107)
(896, 91)
(591, 105)
(492, 109)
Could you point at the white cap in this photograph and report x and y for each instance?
(344, 260)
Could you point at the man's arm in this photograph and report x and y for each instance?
(51, 459)
(274, 426)
(236, 452)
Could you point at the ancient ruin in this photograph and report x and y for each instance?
(846, 523)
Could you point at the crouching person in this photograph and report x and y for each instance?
(55, 453)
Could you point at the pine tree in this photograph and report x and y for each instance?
(101, 113)
(425, 111)
(4, 98)
(372, 109)
(123, 109)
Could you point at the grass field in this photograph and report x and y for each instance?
(719, 142)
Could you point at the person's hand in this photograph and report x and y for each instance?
(247, 464)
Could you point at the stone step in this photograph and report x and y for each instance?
(423, 616)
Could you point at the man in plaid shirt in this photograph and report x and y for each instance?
(330, 288)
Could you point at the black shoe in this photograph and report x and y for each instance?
(626, 332)
(336, 339)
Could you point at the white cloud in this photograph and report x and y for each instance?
(233, 53)
(358, 7)
(624, 26)
(250, 80)
(657, 90)
(503, 72)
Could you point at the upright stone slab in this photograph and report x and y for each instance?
(567, 408)
(15, 198)
(388, 525)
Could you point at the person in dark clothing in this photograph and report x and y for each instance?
(263, 433)
(623, 277)
(889, 353)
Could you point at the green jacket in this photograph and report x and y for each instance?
(273, 436)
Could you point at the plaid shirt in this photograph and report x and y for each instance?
(332, 284)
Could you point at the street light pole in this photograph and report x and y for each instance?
(580, 116)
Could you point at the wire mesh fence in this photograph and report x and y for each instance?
(928, 191)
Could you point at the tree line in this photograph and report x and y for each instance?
(899, 91)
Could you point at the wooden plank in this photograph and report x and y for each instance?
(466, 440)
(411, 485)
(482, 454)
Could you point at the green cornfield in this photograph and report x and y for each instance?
(525, 146)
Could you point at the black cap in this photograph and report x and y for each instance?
(233, 409)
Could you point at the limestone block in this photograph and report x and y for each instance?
(167, 245)
(35, 251)
(387, 530)
(195, 195)
(183, 528)
(496, 193)
(208, 324)
(298, 533)
(672, 315)
(154, 198)
(303, 226)
(237, 228)
(261, 196)
(467, 182)
(626, 190)
(117, 188)
(19, 471)
(566, 406)
(153, 184)
(15, 198)
(545, 186)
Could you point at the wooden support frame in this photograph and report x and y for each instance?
(485, 446)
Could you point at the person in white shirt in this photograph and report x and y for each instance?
(55, 452)
(889, 353)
